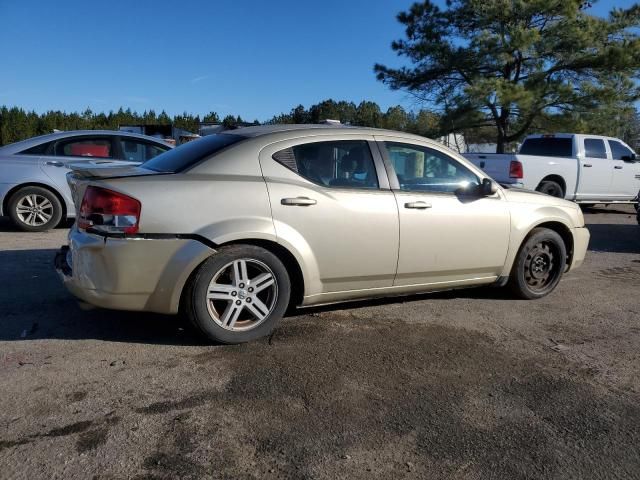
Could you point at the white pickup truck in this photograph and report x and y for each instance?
(587, 169)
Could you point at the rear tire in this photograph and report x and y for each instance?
(35, 209)
(539, 265)
(238, 295)
(551, 188)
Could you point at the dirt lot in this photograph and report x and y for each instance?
(466, 384)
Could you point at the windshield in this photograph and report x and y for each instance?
(189, 154)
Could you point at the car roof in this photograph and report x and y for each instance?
(34, 141)
(266, 130)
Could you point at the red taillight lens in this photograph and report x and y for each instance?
(108, 211)
(515, 169)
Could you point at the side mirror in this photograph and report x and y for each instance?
(488, 187)
(629, 158)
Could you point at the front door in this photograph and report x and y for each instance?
(329, 201)
(446, 237)
(625, 183)
(596, 171)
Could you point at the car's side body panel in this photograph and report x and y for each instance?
(347, 244)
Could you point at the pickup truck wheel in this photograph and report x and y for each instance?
(539, 265)
(551, 188)
(238, 295)
(35, 209)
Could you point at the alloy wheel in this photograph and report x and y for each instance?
(34, 210)
(242, 294)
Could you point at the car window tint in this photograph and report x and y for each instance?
(618, 150)
(547, 147)
(424, 169)
(187, 155)
(137, 151)
(85, 147)
(594, 148)
(37, 150)
(336, 164)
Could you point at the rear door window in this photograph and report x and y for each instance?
(334, 164)
(594, 148)
(96, 147)
(548, 147)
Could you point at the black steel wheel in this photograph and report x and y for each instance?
(539, 264)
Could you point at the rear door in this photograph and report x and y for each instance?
(445, 237)
(625, 182)
(330, 197)
(75, 149)
(596, 170)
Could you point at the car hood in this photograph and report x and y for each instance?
(521, 195)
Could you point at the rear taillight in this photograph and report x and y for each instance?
(108, 211)
(515, 169)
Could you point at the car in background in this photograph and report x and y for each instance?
(586, 169)
(236, 227)
(34, 191)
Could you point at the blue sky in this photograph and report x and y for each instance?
(252, 58)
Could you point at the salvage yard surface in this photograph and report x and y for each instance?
(467, 384)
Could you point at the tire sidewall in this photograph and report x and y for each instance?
(519, 283)
(196, 296)
(553, 186)
(49, 195)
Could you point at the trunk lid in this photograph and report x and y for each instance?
(84, 173)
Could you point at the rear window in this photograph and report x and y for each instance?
(547, 147)
(41, 149)
(189, 154)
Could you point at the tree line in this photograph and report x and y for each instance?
(615, 120)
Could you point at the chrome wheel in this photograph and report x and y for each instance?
(34, 210)
(541, 267)
(242, 294)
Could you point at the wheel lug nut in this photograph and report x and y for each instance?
(241, 285)
(233, 294)
(249, 300)
(251, 289)
(238, 302)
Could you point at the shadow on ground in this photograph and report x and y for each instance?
(614, 237)
(35, 305)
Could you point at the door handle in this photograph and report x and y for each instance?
(417, 205)
(587, 165)
(618, 167)
(54, 163)
(298, 201)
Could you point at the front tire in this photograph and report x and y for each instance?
(539, 264)
(551, 188)
(238, 295)
(35, 209)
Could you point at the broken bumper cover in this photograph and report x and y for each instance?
(129, 273)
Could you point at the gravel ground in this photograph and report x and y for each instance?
(466, 384)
